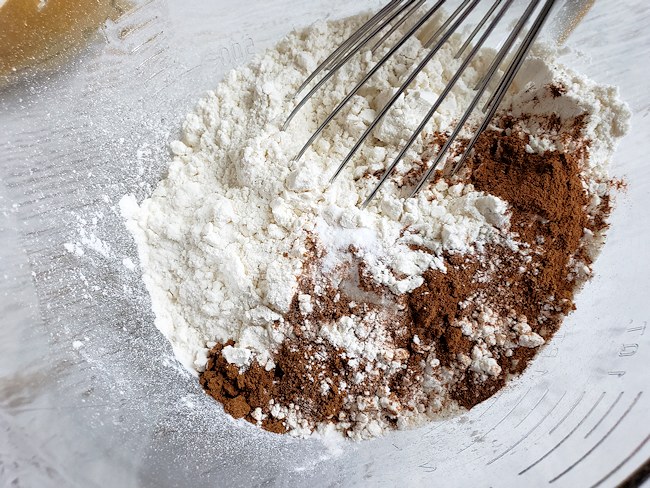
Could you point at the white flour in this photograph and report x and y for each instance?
(222, 239)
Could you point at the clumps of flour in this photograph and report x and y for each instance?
(222, 238)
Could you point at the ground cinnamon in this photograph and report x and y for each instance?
(534, 283)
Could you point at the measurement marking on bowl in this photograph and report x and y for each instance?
(53, 209)
(623, 462)
(132, 29)
(134, 10)
(433, 429)
(640, 328)
(231, 53)
(600, 441)
(173, 80)
(148, 41)
(629, 349)
(154, 75)
(571, 432)
(497, 424)
(153, 56)
(607, 412)
(63, 408)
(490, 406)
(525, 436)
(550, 352)
(535, 406)
(569, 412)
(427, 468)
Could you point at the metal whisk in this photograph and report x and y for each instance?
(383, 25)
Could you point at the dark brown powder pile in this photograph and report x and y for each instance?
(534, 283)
(548, 201)
(293, 380)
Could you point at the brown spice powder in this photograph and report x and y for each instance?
(548, 204)
(293, 380)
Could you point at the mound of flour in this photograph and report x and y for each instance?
(223, 238)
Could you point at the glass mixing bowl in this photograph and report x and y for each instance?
(90, 394)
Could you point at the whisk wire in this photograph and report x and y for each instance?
(338, 65)
(498, 96)
(345, 45)
(397, 25)
(521, 55)
(375, 28)
(444, 26)
(507, 79)
(439, 100)
(383, 25)
(402, 89)
(478, 28)
(363, 81)
(496, 63)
